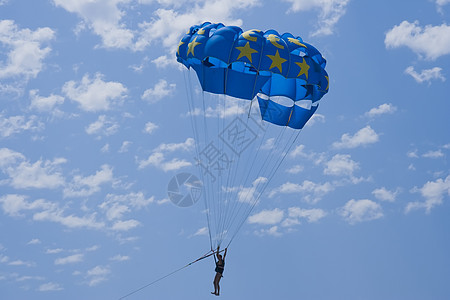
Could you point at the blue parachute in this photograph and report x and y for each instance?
(286, 74)
(250, 81)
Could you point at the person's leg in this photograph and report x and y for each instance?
(216, 282)
(218, 286)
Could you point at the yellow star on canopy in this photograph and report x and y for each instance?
(246, 51)
(201, 31)
(304, 68)
(192, 45)
(328, 83)
(297, 42)
(179, 45)
(274, 40)
(277, 61)
(246, 35)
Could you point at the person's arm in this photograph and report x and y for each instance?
(225, 253)
(217, 253)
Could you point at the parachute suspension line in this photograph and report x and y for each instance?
(232, 175)
(208, 254)
(247, 198)
(269, 180)
(222, 203)
(237, 205)
(209, 197)
(192, 112)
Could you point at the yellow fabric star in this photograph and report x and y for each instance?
(274, 40)
(179, 45)
(201, 31)
(277, 61)
(246, 51)
(246, 35)
(192, 45)
(304, 68)
(328, 83)
(297, 42)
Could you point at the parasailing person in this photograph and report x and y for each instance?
(220, 266)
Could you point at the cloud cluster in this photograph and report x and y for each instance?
(26, 50)
(363, 137)
(95, 94)
(425, 75)
(355, 211)
(434, 193)
(430, 41)
(279, 219)
(330, 12)
(159, 154)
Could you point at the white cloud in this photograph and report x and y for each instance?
(150, 127)
(19, 262)
(23, 174)
(161, 90)
(313, 192)
(440, 4)
(298, 151)
(295, 169)
(251, 194)
(17, 124)
(267, 217)
(119, 257)
(46, 104)
(430, 41)
(54, 251)
(125, 225)
(86, 186)
(385, 195)
(57, 215)
(165, 61)
(158, 157)
(312, 215)
(426, 75)
(201, 231)
(433, 192)
(115, 206)
(273, 231)
(49, 287)
(341, 164)
(412, 154)
(94, 94)
(71, 259)
(167, 25)
(355, 211)
(364, 136)
(9, 157)
(433, 154)
(385, 108)
(34, 242)
(104, 18)
(330, 11)
(97, 275)
(125, 146)
(26, 55)
(316, 118)
(39, 175)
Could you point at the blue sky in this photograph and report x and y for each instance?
(94, 124)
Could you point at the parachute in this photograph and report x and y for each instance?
(255, 92)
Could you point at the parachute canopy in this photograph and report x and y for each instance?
(256, 90)
(286, 74)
